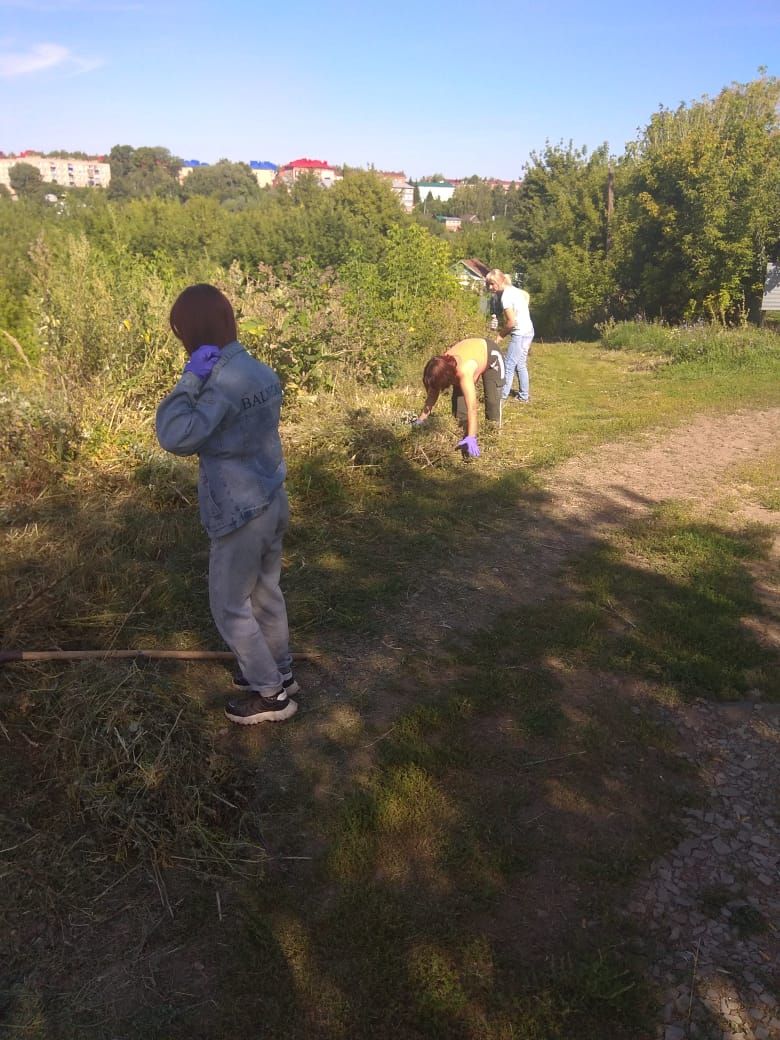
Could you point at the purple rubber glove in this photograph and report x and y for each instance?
(203, 360)
(469, 444)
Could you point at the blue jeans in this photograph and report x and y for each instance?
(245, 599)
(517, 358)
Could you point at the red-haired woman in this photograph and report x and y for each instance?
(459, 367)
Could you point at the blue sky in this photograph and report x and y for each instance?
(454, 87)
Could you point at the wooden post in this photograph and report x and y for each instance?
(610, 206)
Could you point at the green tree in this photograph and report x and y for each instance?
(415, 268)
(701, 211)
(561, 237)
(26, 180)
(506, 201)
(473, 196)
(370, 206)
(61, 153)
(368, 197)
(143, 172)
(488, 242)
(232, 184)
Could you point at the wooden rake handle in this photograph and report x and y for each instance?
(7, 656)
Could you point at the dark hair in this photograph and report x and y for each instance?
(440, 372)
(203, 315)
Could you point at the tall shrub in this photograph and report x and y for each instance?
(98, 314)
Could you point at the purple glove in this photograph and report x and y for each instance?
(469, 444)
(203, 360)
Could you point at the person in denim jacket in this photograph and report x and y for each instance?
(225, 408)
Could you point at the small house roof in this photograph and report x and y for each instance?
(307, 164)
(476, 267)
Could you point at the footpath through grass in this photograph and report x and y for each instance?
(438, 846)
(373, 499)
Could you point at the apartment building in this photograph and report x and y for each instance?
(402, 189)
(187, 167)
(441, 190)
(327, 175)
(68, 171)
(265, 172)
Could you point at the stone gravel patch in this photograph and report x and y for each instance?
(710, 908)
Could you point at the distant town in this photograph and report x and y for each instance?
(78, 171)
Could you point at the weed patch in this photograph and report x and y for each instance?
(710, 343)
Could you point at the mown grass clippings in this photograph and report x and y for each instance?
(144, 775)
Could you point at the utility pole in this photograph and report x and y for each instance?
(610, 206)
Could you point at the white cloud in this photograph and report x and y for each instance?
(42, 56)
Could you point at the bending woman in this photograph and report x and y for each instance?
(459, 367)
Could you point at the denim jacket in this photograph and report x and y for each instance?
(231, 419)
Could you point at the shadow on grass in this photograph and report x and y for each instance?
(362, 535)
(453, 874)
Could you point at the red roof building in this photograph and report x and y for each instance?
(327, 175)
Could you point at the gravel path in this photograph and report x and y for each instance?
(711, 908)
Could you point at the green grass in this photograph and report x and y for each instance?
(440, 845)
(762, 482)
(379, 484)
(740, 346)
(680, 589)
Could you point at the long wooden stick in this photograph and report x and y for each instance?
(7, 656)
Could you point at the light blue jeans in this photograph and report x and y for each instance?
(517, 358)
(245, 598)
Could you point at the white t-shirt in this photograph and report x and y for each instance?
(518, 300)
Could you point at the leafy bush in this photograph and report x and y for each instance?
(296, 320)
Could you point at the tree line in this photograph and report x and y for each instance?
(678, 228)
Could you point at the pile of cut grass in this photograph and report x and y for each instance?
(114, 768)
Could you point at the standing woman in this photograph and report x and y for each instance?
(225, 409)
(515, 323)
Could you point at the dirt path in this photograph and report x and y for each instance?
(517, 563)
(717, 977)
